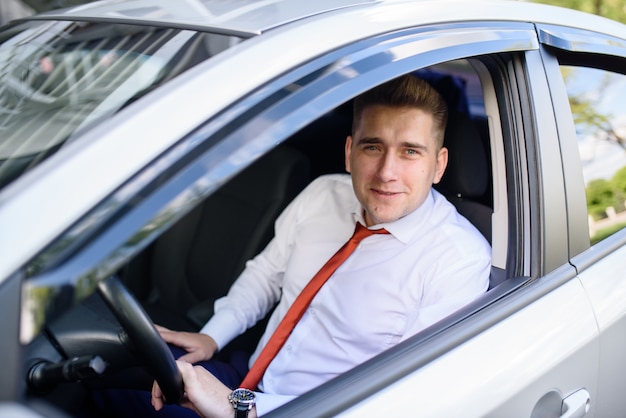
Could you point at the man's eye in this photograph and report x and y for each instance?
(412, 152)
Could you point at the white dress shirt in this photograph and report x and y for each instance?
(432, 263)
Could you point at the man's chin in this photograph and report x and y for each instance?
(382, 218)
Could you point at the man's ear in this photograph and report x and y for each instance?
(442, 163)
(348, 152)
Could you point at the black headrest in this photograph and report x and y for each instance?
(466, 174)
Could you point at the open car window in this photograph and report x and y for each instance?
(177, 266)
(195, 247)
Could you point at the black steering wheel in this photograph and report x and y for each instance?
(154, 353)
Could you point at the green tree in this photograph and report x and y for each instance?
(585, 113)
(618, 181)
(600, 195)
(587, 117)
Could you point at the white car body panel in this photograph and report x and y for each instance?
(604, 283)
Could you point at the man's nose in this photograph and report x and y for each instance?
(387, 167)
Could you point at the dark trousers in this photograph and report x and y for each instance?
(120, 403)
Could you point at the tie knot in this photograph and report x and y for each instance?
(361, 232)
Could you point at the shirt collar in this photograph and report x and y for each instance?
(406, 227)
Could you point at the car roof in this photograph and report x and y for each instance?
(253, 17)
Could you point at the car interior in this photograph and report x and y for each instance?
(249, 204)
(178, 277)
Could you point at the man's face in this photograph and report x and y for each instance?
(394, 160)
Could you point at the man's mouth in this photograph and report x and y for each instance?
(384, 193)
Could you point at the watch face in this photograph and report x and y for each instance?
(242, 397)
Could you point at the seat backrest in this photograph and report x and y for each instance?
(196, 261)
(466, 178)
(466, 182)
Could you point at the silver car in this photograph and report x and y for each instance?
(147, 146)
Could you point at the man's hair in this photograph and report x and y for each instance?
(405, 91)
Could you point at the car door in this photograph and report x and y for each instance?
(587, 70)
(530, 346)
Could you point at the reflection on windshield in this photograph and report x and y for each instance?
(59, 78)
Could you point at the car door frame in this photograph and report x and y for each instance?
(600, 267)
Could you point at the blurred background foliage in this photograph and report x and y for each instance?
(605, 193)
(613, 9)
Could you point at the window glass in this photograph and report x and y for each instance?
(596, 99)
(59, 78)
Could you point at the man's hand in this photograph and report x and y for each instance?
(204, 394)
(199, 347)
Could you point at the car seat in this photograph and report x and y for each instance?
(466, 178)
(184, 271)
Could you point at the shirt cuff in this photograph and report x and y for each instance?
(222, 327)
(266, 402)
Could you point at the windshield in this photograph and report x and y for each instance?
(60, 78)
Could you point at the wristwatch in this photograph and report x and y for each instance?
(242, 400)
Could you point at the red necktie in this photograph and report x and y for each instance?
(300, 305)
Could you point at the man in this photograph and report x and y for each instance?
(430, 261)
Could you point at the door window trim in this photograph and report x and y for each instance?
(579, 40)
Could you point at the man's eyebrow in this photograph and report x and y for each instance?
(369, 140)
(406, 144)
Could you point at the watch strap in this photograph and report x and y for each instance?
(241, 412)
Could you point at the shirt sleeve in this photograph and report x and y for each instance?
(258, 288)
